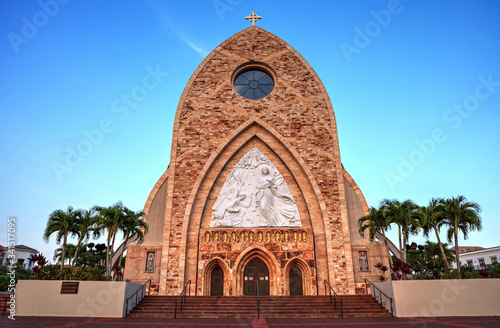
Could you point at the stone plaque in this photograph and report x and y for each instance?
(69, 287)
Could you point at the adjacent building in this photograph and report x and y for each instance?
(22, 255)
(478, 258)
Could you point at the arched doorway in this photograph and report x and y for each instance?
(295, 280)
(217, 282)
(256, 274)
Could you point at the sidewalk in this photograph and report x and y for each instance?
(62, 322)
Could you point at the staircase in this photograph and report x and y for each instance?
(270, 307)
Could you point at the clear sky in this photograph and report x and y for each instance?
(89, 91)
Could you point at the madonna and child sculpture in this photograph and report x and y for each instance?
(255, 195)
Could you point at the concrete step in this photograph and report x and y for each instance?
(270, 307)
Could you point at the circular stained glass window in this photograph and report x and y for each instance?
(254, 83)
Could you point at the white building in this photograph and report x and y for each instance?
(22, 254)
(480, 259)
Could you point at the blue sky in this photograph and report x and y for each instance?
(415, 86)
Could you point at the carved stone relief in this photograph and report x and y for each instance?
(150, 262)
(255, 195)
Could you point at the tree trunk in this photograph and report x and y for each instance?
(403, 275)
(76, 250)
(123, 250)
(107, 255)
(64, 250)
(111, 255)
(457, 259)
(387, 248)
(405, 241)
(442, 249)
(400, 248)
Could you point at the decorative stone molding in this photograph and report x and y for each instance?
(256, 236)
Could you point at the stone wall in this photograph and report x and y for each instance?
(94, 299)
(443, 298)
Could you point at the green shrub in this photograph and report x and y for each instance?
(495, 271)
(54, 272)
(21, 273)
(451, 274)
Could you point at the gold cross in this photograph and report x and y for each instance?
(253, 18)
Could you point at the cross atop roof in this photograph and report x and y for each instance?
(253, 18)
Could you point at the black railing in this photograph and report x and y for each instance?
(479, 267)
(334, 301)
(5, 299)
(137, 297)
(182, 296)
(379, 297)
(258, 301)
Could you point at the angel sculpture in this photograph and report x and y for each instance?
(230, 210)
(277, 207)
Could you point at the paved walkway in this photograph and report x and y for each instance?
(58, 322)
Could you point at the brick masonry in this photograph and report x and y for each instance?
(295, 127)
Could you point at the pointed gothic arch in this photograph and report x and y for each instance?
(306, 275)
(270, 261)
(314, 210)
(207, 275)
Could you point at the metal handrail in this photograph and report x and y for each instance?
(335, 296)
(4, 306)
(380, 295)
(258, 302)
(182, 296)
(136, 294)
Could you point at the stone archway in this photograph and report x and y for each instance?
(216, 264)
(305, 276)
(270, 262)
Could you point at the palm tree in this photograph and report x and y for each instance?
(85, 227)
(431, 217)
(405, 216)
(62, 223)
(133, 225)
(69, 252)
(110, 219)
(460, 215)
(437, 250)
(375, 222)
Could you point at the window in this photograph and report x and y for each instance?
(253, 83)
(469, 263)
(363, 261)
(481, 263)
(494, 260)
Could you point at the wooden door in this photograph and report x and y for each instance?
(256, 270)
(295, 279)
(217, 282)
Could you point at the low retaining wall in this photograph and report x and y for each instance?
(94, 298)
(441, 298)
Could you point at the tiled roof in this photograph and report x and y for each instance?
(26, 248)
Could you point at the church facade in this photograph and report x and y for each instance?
(255, 195)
